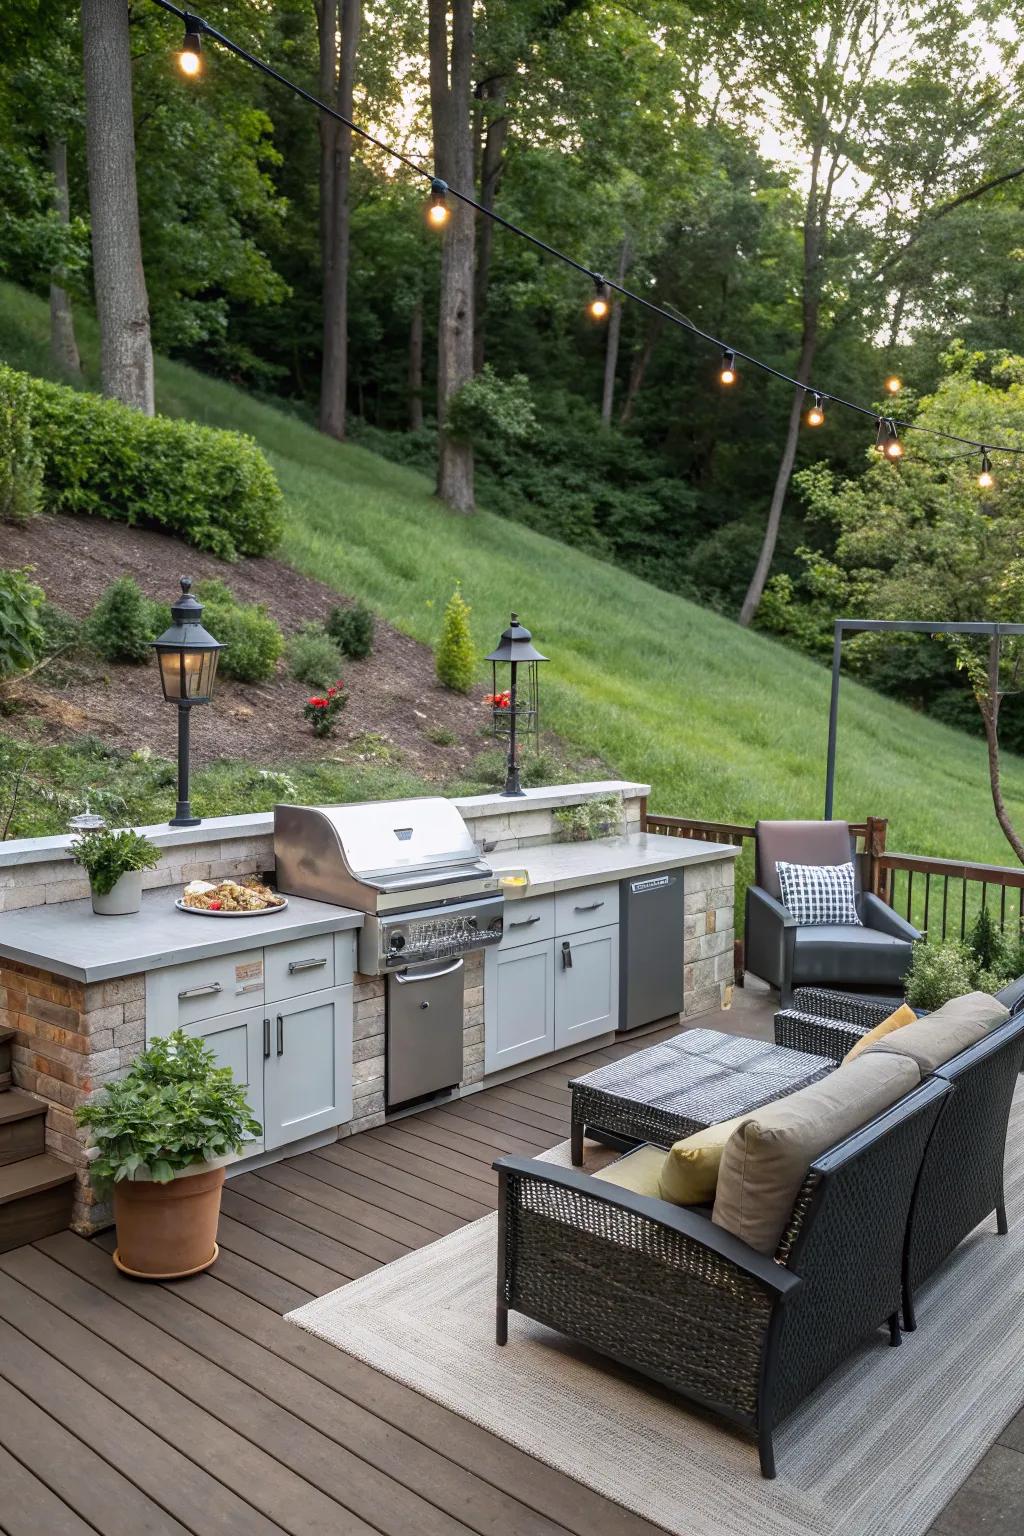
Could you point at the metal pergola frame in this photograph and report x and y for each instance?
(843, 627)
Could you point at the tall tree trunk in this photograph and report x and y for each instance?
(416, 367)
(453, 159)
(989, 706)
(63, 345)
(491, 167)
(334, 370)
(638, 371)
(122, 304)
(327, 84)
(611, 351)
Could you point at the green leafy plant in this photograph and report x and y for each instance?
(21, 469)
(173, 1109)
(124, 623)
(22, 637)
(988, 946)
(352, 630)
(488, 407)
(313, 656)
(107, 854)
(253, 641)
(441, 736)
(322, 710)
(454, 656)
(99, 457)
(594, 818)
(939, 972)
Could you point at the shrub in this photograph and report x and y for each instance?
(352, 630)
(937, 973)
(124, 623)
(215, 489)
(321, 710)
(454, 657)
(21, 469)
(253, 640)
(22, 637)
(488, 407)
(441, 736)
(313, 656)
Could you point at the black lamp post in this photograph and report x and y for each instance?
(514, 710)
(187, 655)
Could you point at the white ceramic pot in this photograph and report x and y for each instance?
(125, 897)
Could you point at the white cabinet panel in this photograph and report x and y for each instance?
(202, 989)
(592, 906)
(519, 1004)
(528, 919)
(586, 985)
(238, 1041)
(308, 1080)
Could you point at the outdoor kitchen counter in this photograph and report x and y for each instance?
(566, 866)
(69, 939)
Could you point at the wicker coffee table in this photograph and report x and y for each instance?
(680, 1086)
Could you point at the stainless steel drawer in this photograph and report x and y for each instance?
(592, 906)
(300, 966)
(203, 989)
(527, 919)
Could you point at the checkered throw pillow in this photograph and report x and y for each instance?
(819, 893)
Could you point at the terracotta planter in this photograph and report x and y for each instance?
(168, 1231)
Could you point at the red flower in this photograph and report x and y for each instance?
(318, 703)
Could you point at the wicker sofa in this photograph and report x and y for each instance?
(662, 1289)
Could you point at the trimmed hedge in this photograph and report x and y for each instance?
(215, 489)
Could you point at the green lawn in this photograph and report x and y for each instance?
(723, 724)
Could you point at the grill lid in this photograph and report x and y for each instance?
(388, 844)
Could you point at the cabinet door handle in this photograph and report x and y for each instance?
(525, 922)
(280, 1035)
(591, 908)
(210, 990)
(566, 955)
(295, 966)
(266, 1038)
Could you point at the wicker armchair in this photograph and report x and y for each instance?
(827, 1023)
(663, 1290)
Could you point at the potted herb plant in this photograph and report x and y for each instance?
(114, 861)
(160, 1137)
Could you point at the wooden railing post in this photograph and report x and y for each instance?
(874, 847)
(643, 813)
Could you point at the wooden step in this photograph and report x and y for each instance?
(35, 1199)
(22, 1126)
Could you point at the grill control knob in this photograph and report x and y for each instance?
(398, 941)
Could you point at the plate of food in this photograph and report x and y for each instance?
(230, 898)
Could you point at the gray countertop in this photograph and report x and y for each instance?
(71, 940)
(566, 866)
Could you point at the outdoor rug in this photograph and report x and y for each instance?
(877, 1451)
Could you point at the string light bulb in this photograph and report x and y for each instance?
(816, 414)
(438, 212)
(190, 59)
(727, 373)
(601, 302)
(887, 438)
(986, 479)
(893, 384)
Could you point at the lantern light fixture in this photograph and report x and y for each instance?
(816, 414)
(986, 478)
(438, 212)
(601, 302)
(514, 710)
(187, 655)
(727, 373)
(190, 59)
(893, 384)
(887, 438)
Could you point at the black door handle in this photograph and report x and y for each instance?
(266, 1038)
(566, 955)
(280, 1035)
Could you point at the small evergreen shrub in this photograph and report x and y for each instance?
(22, 636)
(454, 656)
(313, 656)
(124, 623)
(21, 469)
(352, 630)
(253, 641)
(215, 489)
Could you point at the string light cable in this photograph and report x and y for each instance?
(438, 212)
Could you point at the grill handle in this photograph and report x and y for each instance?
(403, 978)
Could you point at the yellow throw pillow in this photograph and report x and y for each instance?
(689, 1174)
(904, 1015)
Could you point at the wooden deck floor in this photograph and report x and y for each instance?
(135, 1410)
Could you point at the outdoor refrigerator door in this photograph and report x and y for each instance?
(424, 1030)
(651, 960)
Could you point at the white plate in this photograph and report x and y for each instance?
(204, 912)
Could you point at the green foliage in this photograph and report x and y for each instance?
(939, 972)
(440, 736)
(322, 711)
(313, 656)
(215, 489)
(22, 637)
(454, 656)
(489, 407)
(173, 1109)
(124, 623)
(988, 945)
(21, 470)
(106, 855)
(593, 818)
(352, 630)
(253, 640)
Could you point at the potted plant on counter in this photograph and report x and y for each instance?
(161, 1137)
(114, 861)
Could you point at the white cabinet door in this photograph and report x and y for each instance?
(238, 1041)
(308, 1080)
(519, 1008)
(586, 985)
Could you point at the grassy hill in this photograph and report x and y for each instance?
(722, 723)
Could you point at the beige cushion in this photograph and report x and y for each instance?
(767, 1157)
(904, 1015)
(639, 1171)
(689, 1174)
(935, 1039)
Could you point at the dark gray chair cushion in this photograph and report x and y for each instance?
(798, 842)
(828, 954)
